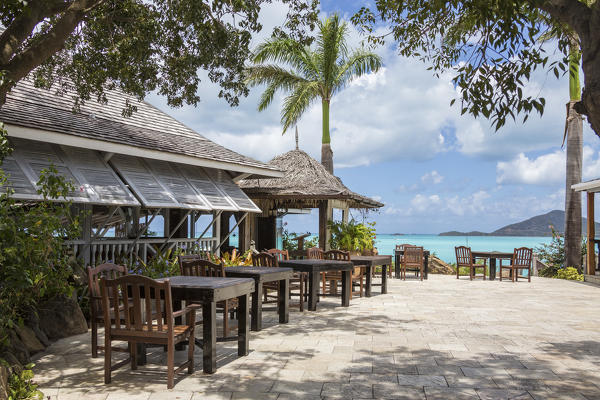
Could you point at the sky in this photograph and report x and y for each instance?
(396, 138)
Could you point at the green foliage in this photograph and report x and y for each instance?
(35, 262)
(308, 73)
(549, 272)
(352, 236)
(492, 48)
(569, 273)
(290, 244)
(22, 387)
(160, 265)
(234, 259)
(140, 46)
(553, 254)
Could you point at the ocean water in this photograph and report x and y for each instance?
(443, 246)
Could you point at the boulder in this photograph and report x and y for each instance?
(437, 266)
(16, 348)
(29, 339)
(61, 317)
(32, 320)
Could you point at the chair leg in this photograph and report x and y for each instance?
(133, 355)
(421, 272)
(191, 344)
(529, 274)
(94, 338)
(107, 356)
(301, 299)
(361, 286)
(170, 364)
(500, 273)
(513, 274)
(226, 319)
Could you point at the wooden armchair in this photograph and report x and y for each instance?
(465, 259)
(265, 259)
(148, 299)
(334, 277)
(103, 271)
(522, 259)
(195, 265)
(299, 278)
(413, 260)
(314, 253)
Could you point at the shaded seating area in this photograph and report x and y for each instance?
(331, 280)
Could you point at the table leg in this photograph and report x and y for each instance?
(257, 297)
(369, 273)
(492, 269)
(243, 332)
(313, 290)
(140, 353)
(397, 265)
(346, 287)
(426, 267)
(209, 337)
(283, 301)
(384, 279)
(178, 321)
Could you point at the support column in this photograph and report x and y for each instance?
(591, 234)
(217, 232)
(175, 217)
(325, 214)
(224, 229)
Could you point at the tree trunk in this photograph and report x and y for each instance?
(573, 221)
(326, 152)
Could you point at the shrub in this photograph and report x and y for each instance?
(21, 386)
(290, 244)
(352, 236)
(234, 259)
(161, 265)
(569, 273)
(549, 271)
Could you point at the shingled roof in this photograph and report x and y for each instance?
(304, 178)
(148, 127)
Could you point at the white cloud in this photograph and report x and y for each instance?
(432, 177)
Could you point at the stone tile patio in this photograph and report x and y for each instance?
(438, 339)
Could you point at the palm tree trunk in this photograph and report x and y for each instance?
(326, 152)
(574, 136)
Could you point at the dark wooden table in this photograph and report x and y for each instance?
(399, 253)
(314, 269)
(492, 256)
(369, 263)
(208, 291)
(260, 276)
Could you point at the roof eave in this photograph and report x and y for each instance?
(592, 186)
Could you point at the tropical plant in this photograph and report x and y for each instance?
(233, 259)
(553, 253)
(35, 263)
(290, 244)
(569, 273)
(352, 236)
(309, 74)
(163, 264)
(21, 385)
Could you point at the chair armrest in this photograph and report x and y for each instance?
(187, 309)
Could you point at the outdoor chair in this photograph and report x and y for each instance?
(521, 260)
(195, 265)
(465, 259)
(334, 277)
(144, 322)
(297, 282)
(314, 253)
(412, 260)
(401, 247)
(265, 259)
(106, 271)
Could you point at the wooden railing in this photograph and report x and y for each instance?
(128, 251)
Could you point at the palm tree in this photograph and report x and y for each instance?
(307, 74)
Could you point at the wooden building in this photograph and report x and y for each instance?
(129, 172)
(306, 184)
(590, 188)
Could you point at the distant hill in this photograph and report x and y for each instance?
(535, 226)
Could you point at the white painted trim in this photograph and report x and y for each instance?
(111, 147)
(589, 186)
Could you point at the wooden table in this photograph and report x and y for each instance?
(492, 256)
(314, 269)
(260, 276)
(208, 291)
(369, 263)
(399, 253)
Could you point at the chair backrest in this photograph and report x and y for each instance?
(140, 305)
(282, 255)
(102, 271)
(195, 265)
(338, 255)
(463, 256)
(413, 255)
(314, 253)
(264, 260)
(401, 247)
(522, 257)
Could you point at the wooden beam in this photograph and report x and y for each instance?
(325, 214)
(591, 235)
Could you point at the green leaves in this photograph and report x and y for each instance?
(352, 236)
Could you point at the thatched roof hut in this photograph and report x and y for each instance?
(305, 184)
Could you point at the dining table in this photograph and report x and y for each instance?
(369, 263)
(398, 255)
(492, 256)
(263, 275)
(314, 267)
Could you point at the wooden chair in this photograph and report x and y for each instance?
(103, 271)
(522, 259)
(195, 265)
(465, 259)
(412, 259)
(314, 253)
(299, 278)
(148, 299)
(334, 277)
(264, 259)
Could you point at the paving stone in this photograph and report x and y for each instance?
(503, 394)
(450, 393)
(421, 380)
(394, 391)
(347, 390)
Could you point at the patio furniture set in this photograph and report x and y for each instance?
(148, 312)
(519, 260)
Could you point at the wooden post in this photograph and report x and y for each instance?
(217, 231)
(325, 214)
(591, 235)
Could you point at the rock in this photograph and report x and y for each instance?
(17, 348)
(33, 321)
(14, 366)
(29, 339)
(61, 317)
(3, 381)
(437, 266)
